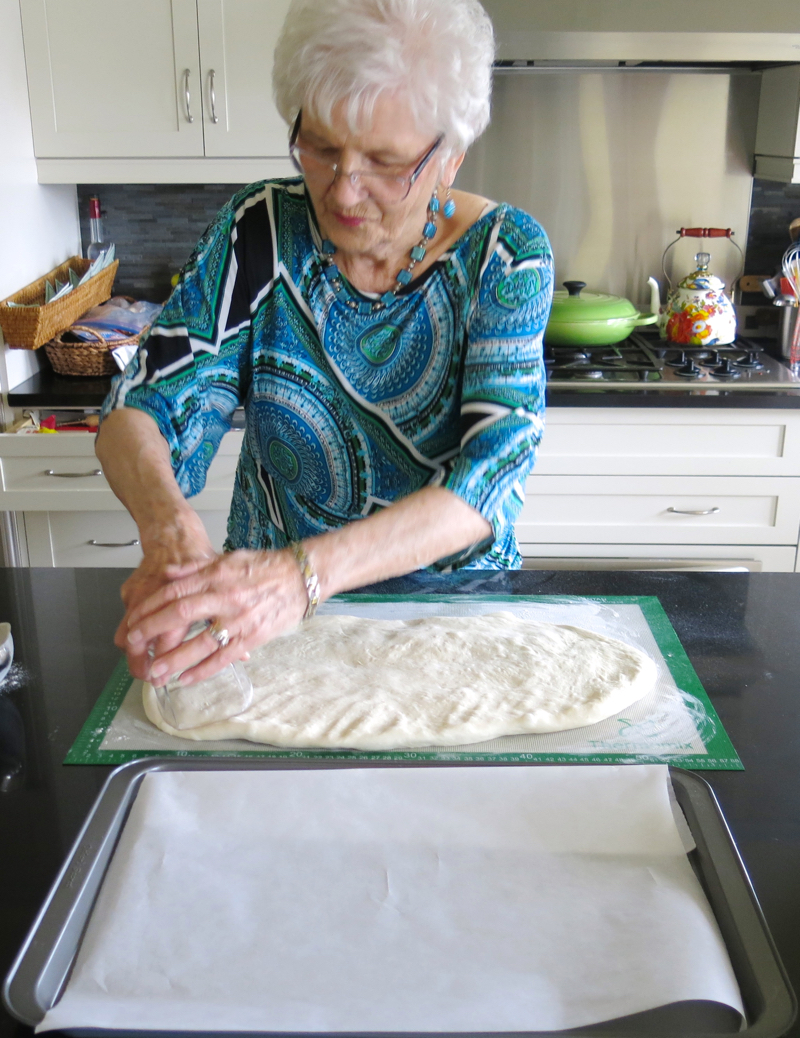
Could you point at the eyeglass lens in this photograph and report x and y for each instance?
(379, 185)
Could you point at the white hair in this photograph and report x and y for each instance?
(437, 54)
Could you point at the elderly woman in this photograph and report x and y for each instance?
(382, 332)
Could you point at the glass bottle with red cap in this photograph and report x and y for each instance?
(97, 245)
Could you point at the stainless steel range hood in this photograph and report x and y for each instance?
(677, 36)
(678, 31)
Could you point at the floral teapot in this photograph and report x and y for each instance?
(697, 310)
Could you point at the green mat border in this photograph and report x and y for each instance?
(721, 754)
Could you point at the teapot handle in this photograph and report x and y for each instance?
(705, 232)
(702, 232)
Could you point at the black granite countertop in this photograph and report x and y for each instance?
(741, 632)
(46, 389)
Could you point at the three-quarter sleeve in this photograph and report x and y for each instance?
(503, 384)
(192, 369)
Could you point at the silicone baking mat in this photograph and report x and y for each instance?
(675, 723)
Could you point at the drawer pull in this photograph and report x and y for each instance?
(73, 475)
(699, 511)
(114, 544)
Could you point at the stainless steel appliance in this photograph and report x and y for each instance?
(645, 361)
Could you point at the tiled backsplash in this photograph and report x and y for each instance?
(155, 227)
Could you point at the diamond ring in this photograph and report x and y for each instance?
(219, 634)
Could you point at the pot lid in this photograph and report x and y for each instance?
(577, 305)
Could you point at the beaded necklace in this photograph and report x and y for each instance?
(334, 277)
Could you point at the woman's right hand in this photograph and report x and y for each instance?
(137, 464)
(176, 554)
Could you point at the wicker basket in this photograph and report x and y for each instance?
(85, 358)
(30, 327)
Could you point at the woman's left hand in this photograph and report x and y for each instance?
(253, 595)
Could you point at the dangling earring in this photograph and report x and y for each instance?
(449, 205)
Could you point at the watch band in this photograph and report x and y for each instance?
(310, 578)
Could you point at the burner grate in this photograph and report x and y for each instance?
(646, 359)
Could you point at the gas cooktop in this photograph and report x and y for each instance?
(645, 361)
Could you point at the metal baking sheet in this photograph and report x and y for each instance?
(41, 969)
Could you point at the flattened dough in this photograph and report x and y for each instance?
(344, 682)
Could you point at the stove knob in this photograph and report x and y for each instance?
(714, 358)
(678, 360)
(751, 360)
(725, 367)
(689, 368)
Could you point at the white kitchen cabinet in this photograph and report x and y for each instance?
(661, 510)
(613, 488)
(158, 79)
(237, 39)
(649, 441)
(97, 538)
(685, 557)
(644, 486)
(68, 515)
(40, 473)
(109, 78)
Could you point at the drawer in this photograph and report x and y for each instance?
(53, 474)
(659, 510)
(686, 557)
(64, 474)
(105, 539)
(653, 441)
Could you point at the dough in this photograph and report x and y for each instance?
(345, 682)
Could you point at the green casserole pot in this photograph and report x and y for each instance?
(591, 319)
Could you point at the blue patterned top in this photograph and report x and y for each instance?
(347, 412)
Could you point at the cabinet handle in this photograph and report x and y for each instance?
(114, 544)
(688, 511)
(187, 96)
(212, 95)
(73, 475)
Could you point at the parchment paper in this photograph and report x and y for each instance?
(425, 899)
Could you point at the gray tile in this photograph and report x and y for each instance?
(154, 226)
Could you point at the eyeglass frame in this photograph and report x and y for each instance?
(410, 181)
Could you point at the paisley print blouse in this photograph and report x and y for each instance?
(348, 410)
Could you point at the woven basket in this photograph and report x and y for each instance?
(30, 327)
(85, 358)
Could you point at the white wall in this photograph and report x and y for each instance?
(38, 223)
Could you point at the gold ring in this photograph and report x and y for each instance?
(219, 634)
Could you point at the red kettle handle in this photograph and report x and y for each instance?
(705, 232)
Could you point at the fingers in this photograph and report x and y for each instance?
(176, 617)
(175, 591)
(151, 575)
(201, 649)
(176, 571)
(254, 595)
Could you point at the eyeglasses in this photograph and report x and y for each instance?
(383, 187)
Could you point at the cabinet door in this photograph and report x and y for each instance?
(109, 79)
(237, 39)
